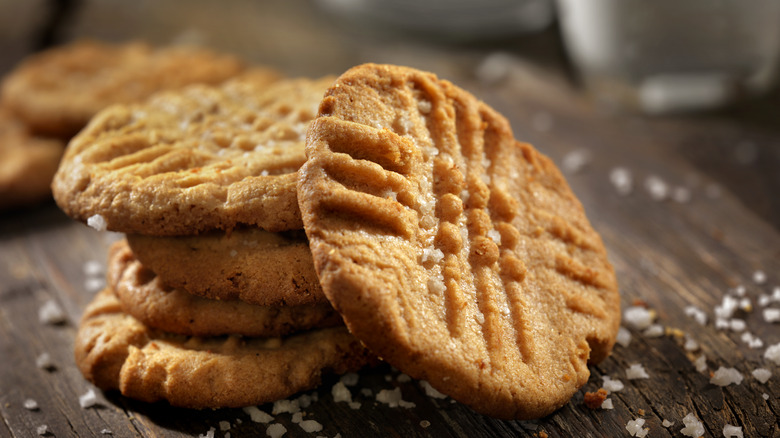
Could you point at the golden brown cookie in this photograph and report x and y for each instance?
(27, 163)
(56, 92)
(115, 351)
(193, 160)
(453, 251)
(247, 264)
(144, 297)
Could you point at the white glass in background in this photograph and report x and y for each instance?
(662, 56)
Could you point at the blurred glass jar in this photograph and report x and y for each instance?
(665, 56)
(457, 20)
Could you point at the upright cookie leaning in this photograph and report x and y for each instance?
(453, 251)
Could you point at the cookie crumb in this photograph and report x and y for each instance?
(30, 404)
(595, 400)
(51, 313)
(97, 222)
(257, 415)
(88, 400)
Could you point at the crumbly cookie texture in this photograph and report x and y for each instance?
(247, 264)
(193, 160)
(27, 163)
(454, 252)
(144, 297)
(115, 351)
(56, 92)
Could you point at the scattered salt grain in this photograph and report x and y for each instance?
(751, 341)
(88, 400)
(403, 378)
(305, 400)
(495, 236)
(746, 305)
(726, 376)
(94, 284)
(297, 417)
(759, 277)
(209, 434)
(771, 315)
(366, 392)
(494, 68)
(310, 426)
(350, 379)
(764, 300)
(435, 255)
(424, 106)
(44, 362)
(697, 314)
(654, 331)
(542, 121)
(392, 397)
(667, 423)
(765, 396)
(430, 391)
(730, 431)
(638, 317)
(257, 415)
(276, 430)
(773, 353)
(634, 427)
(622, 180)
(737, 325)
(657, 188)
(690, 344)
(575, 160)
(762, 374)
(611, 385)
(30, 404)
(341, 394)
(42, 430)
(693, 427)
(623, 337)
(712, 191)
(285, 406)
(106, 432)
(681, 195)
(233, 253)
(701, 363)
(636, 371)
(97, 222)
(727, 307)
(425, 423)
(776, 294)
(93, 268)
(607, 404)
(51, 313)
(224, 426)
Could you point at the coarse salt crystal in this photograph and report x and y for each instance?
(30, 404)
(654, 331)
(285, 406)
(403, 378)
(233, 253)
(751, 341)
(764, 300)
(224, 426)
(542, 121)
(762, 374)
(97, 222)
(622, 180)
(424, 106)
(350, 379)
(771, 315)
(430, 391)
(51, 313)
(636, 371)
(759, 277)
(690, 344)
(341, 394)
(94, 284)
(776, 294)
(88, 400)
(697, 314)
(726, 376)
(638, 317)
(435, 255)
(310, 426)
(739, 291)
(393, 398)
(495, 236)
(209, 434)
(657, 188)
(575, 160)
(623, 337)
(727, 307)
(93, 267)
(730, 431)
(765, 396)
(772, 353)
(106, 432)
(276, 430)
(494, 68)
(667, 423)
(425, 423)
(607, 404)
(611, 385)
(42, 430)
(701, 363)
(634, 427)
(693, 427)
(737, 325)
(681, 195)
(44, 362)
(257, 415)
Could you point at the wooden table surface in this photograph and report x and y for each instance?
(669, 254)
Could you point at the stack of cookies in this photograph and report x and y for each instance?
(52, 95)
(252, 210)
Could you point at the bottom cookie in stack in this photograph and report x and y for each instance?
(207, 353)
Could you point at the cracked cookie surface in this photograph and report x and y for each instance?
(454, 252)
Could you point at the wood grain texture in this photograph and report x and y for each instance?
(669, 255)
